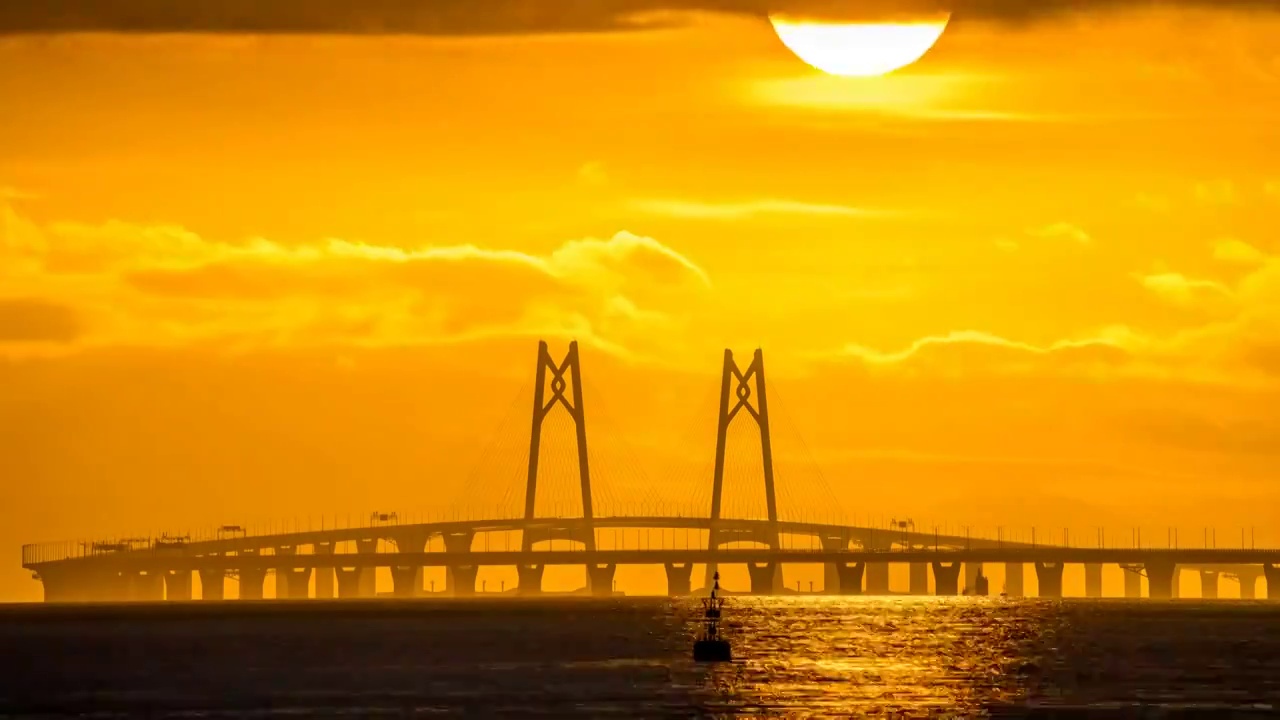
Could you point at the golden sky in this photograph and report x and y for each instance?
(1032, 279)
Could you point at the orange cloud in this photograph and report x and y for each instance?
(157, 284)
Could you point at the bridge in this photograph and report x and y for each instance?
(342, 562)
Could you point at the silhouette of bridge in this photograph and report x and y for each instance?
(342, 562)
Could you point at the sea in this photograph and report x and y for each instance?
(811, 657)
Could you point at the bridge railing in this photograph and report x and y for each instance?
(49, 552)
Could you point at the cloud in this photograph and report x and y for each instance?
(1062, 230)
(500, 17)
(695, 210)
(1113, 339)
(1237, 251)
(164, 284)
(24, 320)
(1181, 289)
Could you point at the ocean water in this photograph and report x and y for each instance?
(630, 658)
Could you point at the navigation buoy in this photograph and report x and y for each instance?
(711, 647)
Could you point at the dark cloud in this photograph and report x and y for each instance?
(493, 17)
(27, 320)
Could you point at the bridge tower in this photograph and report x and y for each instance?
(565, 390)
(736, 385)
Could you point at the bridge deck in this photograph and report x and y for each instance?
(1054, 555)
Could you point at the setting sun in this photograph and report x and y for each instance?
(859, 49)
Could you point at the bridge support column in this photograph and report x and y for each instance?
(849, 577)
(212, 584)
(1161, 578)
(1093, 580)
(1272, 572)
(177, 585)
(348, 582)
(918, 576)
(600, 579)
(460, 580)
(1013, 579)
(414, 541)
(324, 575)
(1248, 577)
(146, 587)
(61, 587)
(971, 572)
(296, 583)
(679, 579)
(1132, 581)
(1049, 578)
(83, 585)
(946, 578)
(369, 573)
(252, 581)
(830, 574)
(406, 581)
(529, 579)
(877, 578)
(764, 578)
(282, 573)
(1209, 584)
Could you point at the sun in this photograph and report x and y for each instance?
(859, 49)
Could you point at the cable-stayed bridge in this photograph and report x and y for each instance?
(584, 522)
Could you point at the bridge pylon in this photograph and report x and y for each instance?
(566, 377)
(736, 388)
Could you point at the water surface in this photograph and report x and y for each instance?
(810, 657)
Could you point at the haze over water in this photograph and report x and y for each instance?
(811, 657)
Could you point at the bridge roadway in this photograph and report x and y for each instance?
(848, 553)
(552, 529)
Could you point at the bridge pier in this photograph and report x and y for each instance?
(368, 583)
(849, 577)
(877, 575)
(1049, 579)
(529, 579)
(282, 574)
(763, 578)
(946, 578)
(1132, 581)
(460, 580)
(251, 583)
(971, 572)
(1209, 584)
(177, 585)
(293, 583)
(831, 584)
(679, 579)
(406, 581)
(324, 575)
(410, 541)
(1093, 580)
(1013, 579)
(1248, 577)
(1272, 573)
(83, 585)
(212, 584)
(348, 582)
(1161, 578)
(600, 579)
(918, 578)
(146, 586)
